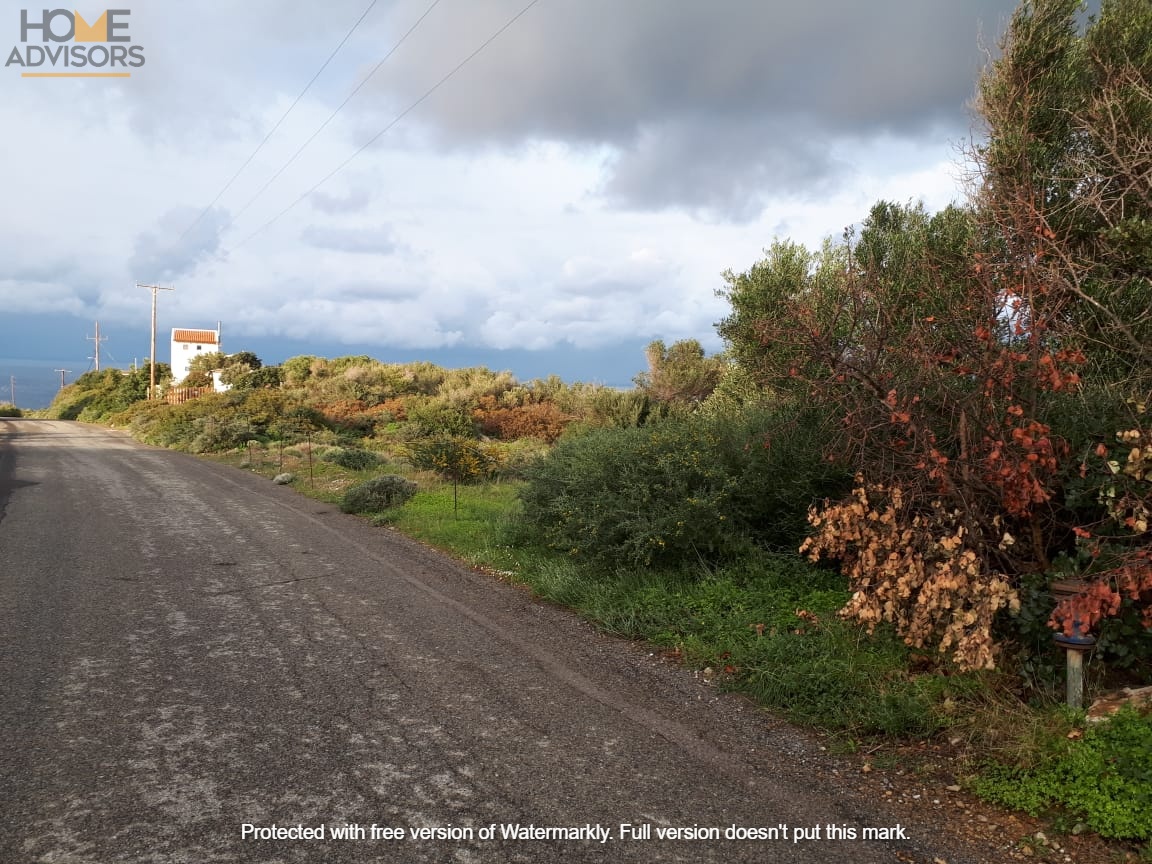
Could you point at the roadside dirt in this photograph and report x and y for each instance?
(923, 786)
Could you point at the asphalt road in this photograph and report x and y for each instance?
(187, 649)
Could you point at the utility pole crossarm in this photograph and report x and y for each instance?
(97, 339)
(152, 351)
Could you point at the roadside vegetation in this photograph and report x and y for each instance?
(855, 514)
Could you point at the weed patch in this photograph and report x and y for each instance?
(1099, 778)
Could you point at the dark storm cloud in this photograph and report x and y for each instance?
(707, 105)
(720, 170)
(179, 243)
(50, 271)
(195, 53)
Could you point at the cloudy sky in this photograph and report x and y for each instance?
(570, 193)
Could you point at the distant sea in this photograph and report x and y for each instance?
(36, 382)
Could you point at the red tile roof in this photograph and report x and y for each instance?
(204, 337)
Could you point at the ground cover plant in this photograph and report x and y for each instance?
(1096, 776)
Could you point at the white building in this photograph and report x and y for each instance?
(187, 345)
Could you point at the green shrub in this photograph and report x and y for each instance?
(214, 435)
(221, 421)
(264, 377)
(94, 396)
(8, 410)
(623, 409)
(1103, 779)
(352, 458)
(513, 459)
(435, 417)
(379, 493)
(682, 489)
(461, 459)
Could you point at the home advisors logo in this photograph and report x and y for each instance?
(45, 36)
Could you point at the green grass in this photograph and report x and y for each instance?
(474, 530)
(766, 626)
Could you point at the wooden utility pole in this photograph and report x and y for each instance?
(63, 371)
(97, 339)
(152, 350)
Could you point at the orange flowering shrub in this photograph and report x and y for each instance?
(543, 420)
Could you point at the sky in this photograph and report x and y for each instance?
(571, 192)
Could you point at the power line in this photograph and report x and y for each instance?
(391, 124)
(283, 117)
(332, 116)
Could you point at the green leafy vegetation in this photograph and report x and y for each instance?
(460, 459)
(95, 396)
(682, 489)
(767, 627)
(764, 625)
(379, 493)
(1099, 776)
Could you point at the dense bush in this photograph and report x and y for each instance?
(354, 417)
(213, 435)
(220, 421)
(94, 396)
(437, 417)
(949, 347)
(461, 459)
(682, 489)
(265, 377)
(511, 460)
(379, 493)
(8, 410)
(541, 420)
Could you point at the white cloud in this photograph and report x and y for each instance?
(543, 197)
